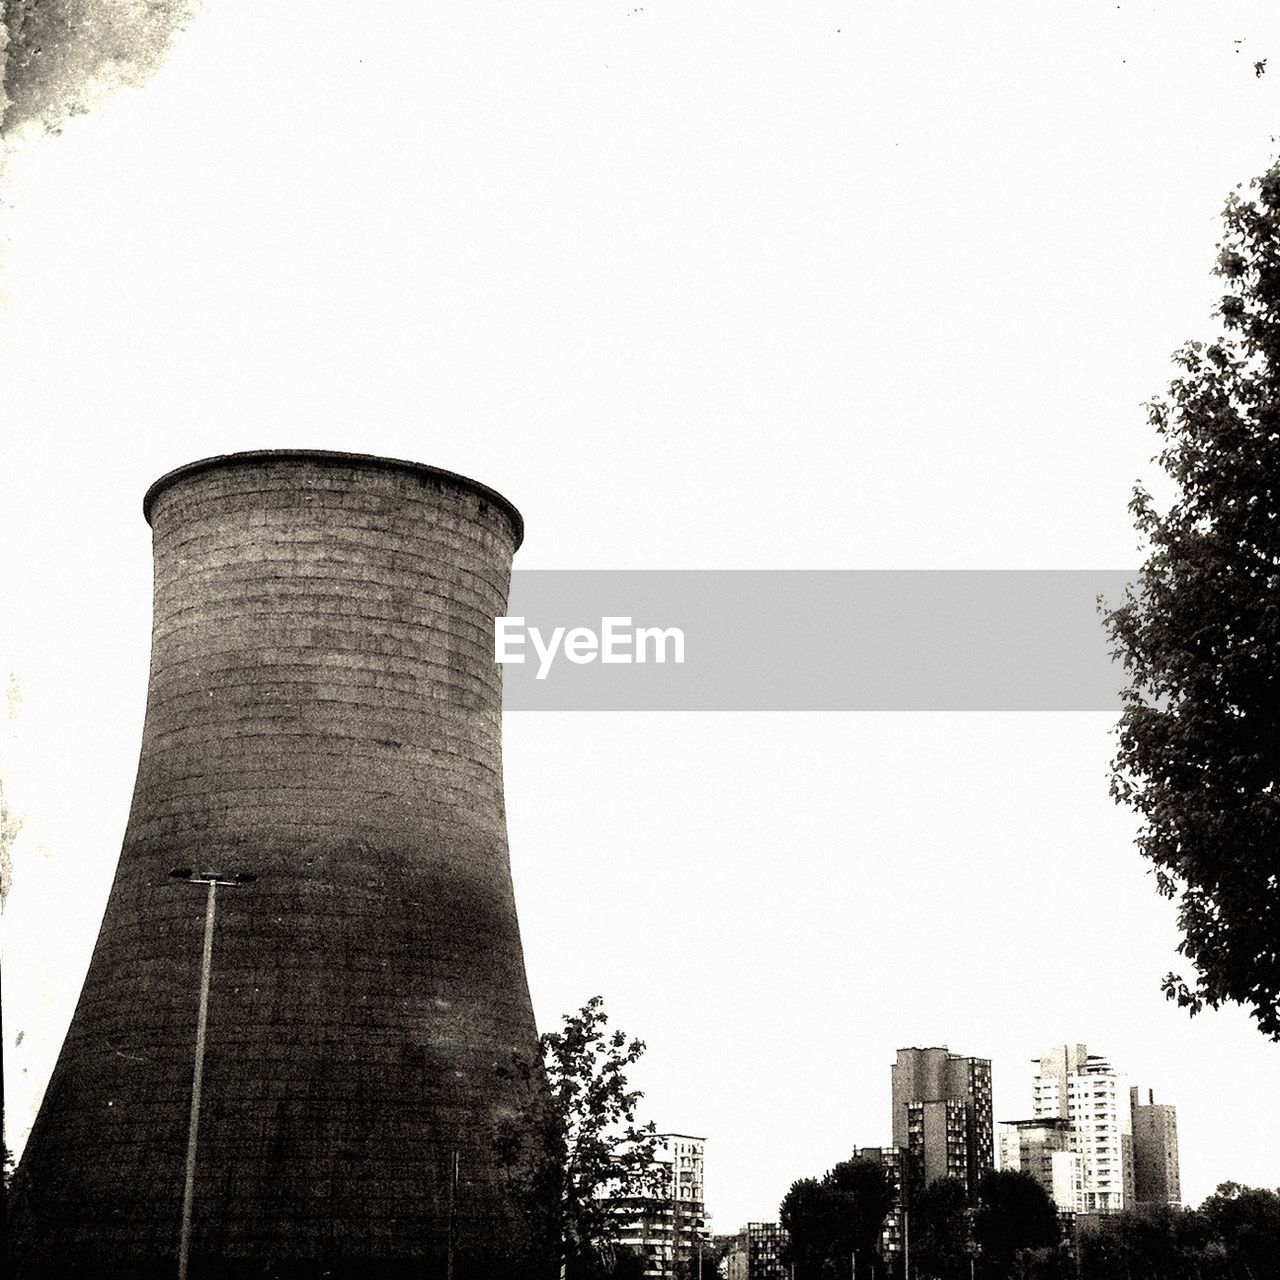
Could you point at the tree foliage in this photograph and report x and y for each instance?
(830, 1219)
(1015, 1217)
(1131, 1244)
(940, 1230)
(1242, 1224)
(577, 1148)
(1234, 1235)
(605, 1154)
(805, 1215)
(703, 1260)
(1198, 754)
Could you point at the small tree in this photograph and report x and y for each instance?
(1199, 740)
(605, 1155)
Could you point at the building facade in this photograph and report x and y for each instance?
(1156, 1178)
(1044, 1149)
(756, 1253)
(893, 1161)
(942, 1116)
(668, 1227)
(1086, 1091)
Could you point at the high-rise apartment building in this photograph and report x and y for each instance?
(1044, 1149)
(1155, 1150)
(942, 1116)
(756, 1253)
(667, 1226)
(1085, 1090)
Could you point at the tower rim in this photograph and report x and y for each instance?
(334, 457)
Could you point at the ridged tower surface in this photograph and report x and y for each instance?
(324, 713)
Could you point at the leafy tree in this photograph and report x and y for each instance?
(863, 1197)
(1155, 1242)
(578, 1150)
(831, 1219)
(1243, 1224)
(807, 1216)
(940, 1230)
(1198, 756)
(1234, 1235)
(1015, 1217)
(617, 1262)
(709, 1254)
(606, 1155)
(706, 1255)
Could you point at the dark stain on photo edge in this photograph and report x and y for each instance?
(58, 57)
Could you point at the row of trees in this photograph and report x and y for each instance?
(1233, 1235)
(1012, 1233)
(835, 1225)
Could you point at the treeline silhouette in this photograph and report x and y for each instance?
(1009, 1230)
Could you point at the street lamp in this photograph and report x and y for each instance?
(213, 879)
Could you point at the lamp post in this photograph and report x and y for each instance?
(453, 1214)
(212, 879)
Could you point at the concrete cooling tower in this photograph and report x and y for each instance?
(320, 779)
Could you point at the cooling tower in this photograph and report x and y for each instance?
(322, 732)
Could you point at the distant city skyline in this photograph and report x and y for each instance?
(1094, 1143)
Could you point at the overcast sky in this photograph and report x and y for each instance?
(696, 285)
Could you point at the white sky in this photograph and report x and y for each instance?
(697, 285)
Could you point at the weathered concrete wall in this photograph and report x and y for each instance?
(323, 712)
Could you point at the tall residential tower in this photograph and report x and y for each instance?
(1155, 1150)
(942, 1115)
(1084, 1089)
